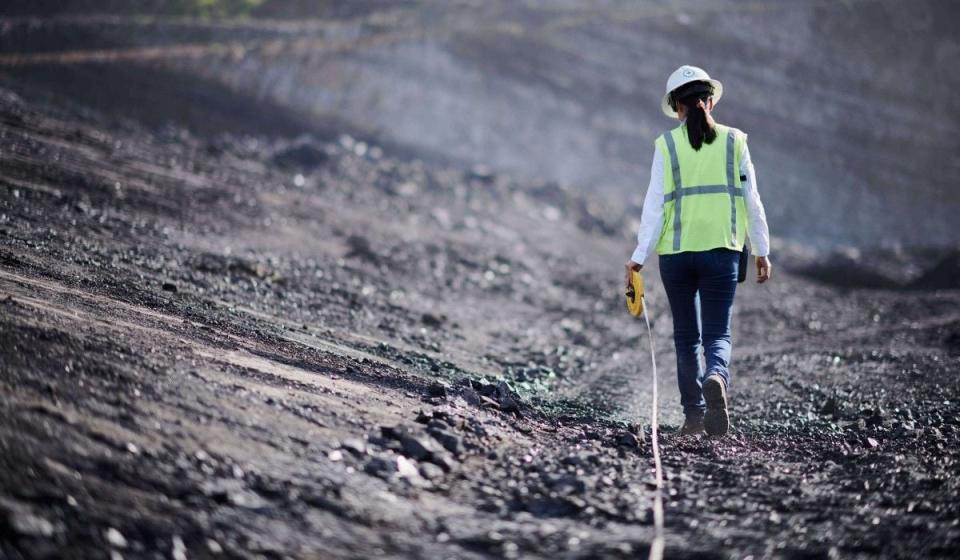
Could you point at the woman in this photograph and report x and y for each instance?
(697, 212)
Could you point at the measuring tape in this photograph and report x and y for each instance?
(636, 307)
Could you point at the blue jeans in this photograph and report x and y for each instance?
(700, 286)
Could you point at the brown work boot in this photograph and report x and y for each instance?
(692, 425)
(716, 421)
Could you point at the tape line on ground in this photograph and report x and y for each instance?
(656, 547)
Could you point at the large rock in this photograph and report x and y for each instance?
(354, 446)
(437, 389)
(31, 525)
(630, 440)
(359, 247)
(450, 441)
(382, 467)
(419, 447)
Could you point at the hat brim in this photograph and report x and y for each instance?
(665, 102)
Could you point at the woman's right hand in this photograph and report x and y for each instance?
(763, 269)
(627, 270)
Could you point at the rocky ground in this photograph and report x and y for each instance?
(250, 346)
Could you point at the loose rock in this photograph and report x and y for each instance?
(115, 538)
(31, 525)
(437, 389)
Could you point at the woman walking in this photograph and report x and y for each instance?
(701, 204)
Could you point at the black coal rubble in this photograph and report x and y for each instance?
(416, 444)
(587, 482)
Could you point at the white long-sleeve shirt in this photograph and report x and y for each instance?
(651, 220)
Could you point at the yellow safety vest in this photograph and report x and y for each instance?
(703, 205)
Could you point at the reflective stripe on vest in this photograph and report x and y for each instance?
(718, 163)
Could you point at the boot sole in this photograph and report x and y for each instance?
(716, 421)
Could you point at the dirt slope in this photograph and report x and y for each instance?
(251, 346)
(850, 105)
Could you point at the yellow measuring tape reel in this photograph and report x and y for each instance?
(635, 294)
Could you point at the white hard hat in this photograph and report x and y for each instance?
(684, 75)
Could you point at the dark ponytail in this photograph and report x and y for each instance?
(694, 96)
